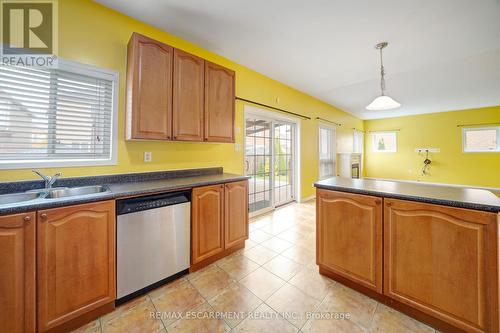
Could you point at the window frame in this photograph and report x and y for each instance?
(374, 146)
(333, 149)
(464, 143)
(93, 71)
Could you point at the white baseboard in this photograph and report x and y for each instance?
(494, 189)
(312, 197)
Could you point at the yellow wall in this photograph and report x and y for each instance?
(436, 130)
(93, 34)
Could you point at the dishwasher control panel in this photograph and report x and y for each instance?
(133, 205)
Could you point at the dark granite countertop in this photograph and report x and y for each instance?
(435, 194)
(120, 186)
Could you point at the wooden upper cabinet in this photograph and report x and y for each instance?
(75, 261)
(443, 261)
(188, 98)
(17, 273)
(207, 222)
(174, 95)
(219, 103)
(149, 89)
(349, 236)
(236, 212)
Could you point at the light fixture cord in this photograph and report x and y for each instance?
(382, 74)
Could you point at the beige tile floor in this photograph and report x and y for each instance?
(275, 279)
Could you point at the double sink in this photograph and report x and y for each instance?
(51, 193)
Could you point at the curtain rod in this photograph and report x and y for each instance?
(354, 128)
(381, 131)
(272, 107)
(328, 121)
(484, 124)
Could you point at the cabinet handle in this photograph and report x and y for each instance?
(378, 201)
(43, 216)
(27, 218)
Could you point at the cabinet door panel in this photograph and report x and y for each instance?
(207, 232)
(349, 236)
(76, 261)
(149, 89)
(442, 261)
(219, 103)
(17, 273)
(189, 90)
(236, 212)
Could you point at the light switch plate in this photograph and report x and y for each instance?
(237, 147)
(148, 156)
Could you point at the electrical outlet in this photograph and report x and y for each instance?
(237, 147)
(430, 150)
(148, 156)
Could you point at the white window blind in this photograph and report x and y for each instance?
(480, 140)
(327, 152)
(62, 116)
(358, 141)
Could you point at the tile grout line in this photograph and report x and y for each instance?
(156, 309)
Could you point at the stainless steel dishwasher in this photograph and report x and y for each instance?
(153, 242)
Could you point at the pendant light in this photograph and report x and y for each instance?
(382, 102)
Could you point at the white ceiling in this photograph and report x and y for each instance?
(443, 54)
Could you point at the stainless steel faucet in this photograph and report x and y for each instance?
(49, 180)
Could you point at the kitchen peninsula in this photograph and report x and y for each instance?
(429, 251)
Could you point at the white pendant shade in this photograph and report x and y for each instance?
(383, 103)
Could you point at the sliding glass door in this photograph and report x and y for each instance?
(283, 163)
(258, 158)
(269, 161)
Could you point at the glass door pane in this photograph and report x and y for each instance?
(283, 163)
(258, 161)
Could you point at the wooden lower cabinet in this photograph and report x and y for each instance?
(443, 261)
(207, 221)
(75, 262)
(349, 236)
(17, 273)
(236, 213)
(219, 221)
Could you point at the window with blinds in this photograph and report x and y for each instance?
(64, 116)
(327, 151)
(358, 141)
(481, 140)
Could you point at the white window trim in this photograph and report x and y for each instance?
(93, 71)
(465, 129)
(334, 149)
(375, 150)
